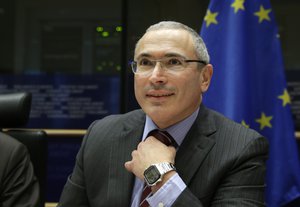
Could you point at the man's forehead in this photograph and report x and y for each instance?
(167, 42)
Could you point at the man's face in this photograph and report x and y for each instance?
(169, 97)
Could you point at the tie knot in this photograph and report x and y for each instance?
(164, 137)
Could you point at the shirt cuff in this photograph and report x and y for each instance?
(168, 193)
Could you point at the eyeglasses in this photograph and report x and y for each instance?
(173, 64)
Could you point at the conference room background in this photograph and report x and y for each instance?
(73, 57)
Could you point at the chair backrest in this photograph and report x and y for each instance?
(14, 113)
(14, 109)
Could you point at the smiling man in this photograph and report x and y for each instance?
(174, 151)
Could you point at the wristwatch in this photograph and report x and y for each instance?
(155, 172)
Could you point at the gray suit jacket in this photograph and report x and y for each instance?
(18, 184)
(222, 163)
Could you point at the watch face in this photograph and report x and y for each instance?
(151, 175)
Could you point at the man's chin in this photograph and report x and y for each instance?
(161, 117)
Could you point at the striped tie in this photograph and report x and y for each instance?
(145, 194)
(168, 140)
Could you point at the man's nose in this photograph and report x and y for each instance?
(158, 68)
(158, 74)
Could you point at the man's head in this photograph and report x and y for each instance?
(172, 72)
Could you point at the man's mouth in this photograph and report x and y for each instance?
(158, 95)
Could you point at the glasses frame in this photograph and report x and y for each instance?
(133, 64)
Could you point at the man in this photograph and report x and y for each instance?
(18, 184)
(217, 162)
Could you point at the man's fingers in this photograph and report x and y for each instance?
(128, 166)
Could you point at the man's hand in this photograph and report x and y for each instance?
(149, 152)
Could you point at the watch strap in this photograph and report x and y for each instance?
(165, 167)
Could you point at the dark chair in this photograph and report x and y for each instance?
(14, 114)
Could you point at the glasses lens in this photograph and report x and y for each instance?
(174, 63)
(146, 65)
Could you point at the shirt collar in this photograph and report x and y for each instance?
(178, 131)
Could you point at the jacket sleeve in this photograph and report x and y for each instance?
(19, 185)
(74, 192)
(243, 185)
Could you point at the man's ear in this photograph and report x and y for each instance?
(206, 75)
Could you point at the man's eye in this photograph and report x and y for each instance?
(174, 61)
(145, 62)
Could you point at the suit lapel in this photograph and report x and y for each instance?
(120, 180)
(195, 146)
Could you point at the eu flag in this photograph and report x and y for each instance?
(249, 85)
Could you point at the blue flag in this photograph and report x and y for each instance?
(249, 85)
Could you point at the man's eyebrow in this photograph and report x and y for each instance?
(144, 55)
(166, 55)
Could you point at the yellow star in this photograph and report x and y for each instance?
(264, 121)
(285, 97)
(263, 14)
(238, 4)
(244, 124)
(210, 18)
